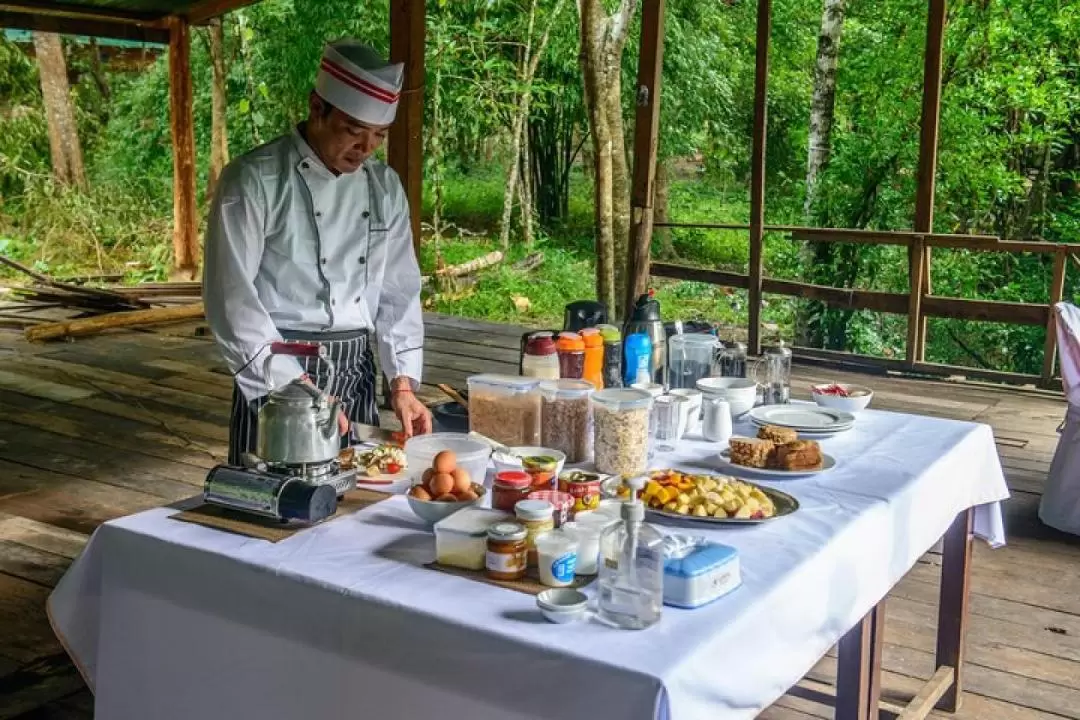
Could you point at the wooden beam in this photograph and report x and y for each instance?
(405, 153)
(203, 12)
(1016, 313)
(757, 170)
(19, 18)
(923, 703)
(1057, 292)
(918, 258)
(83, 12)
(109, 321)
(646, 130)
(185, 229)
(853, 671)
(866, 363)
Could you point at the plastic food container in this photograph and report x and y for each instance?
(566, 418)
(586, 528)
(505, 408)
(461, 539)
(594, 357)
(472, 455)
(621, 430)
(556, 553)
(696, 572)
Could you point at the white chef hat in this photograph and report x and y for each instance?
(355, 79)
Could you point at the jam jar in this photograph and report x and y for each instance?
(507, 552)
(509, 487)
(538, 517)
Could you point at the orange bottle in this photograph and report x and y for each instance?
(594, 357)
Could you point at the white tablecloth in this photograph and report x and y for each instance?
(173, 620)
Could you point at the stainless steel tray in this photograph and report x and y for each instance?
(785, 505)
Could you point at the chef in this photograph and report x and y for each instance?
(308, 239)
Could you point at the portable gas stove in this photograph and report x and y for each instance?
(324, 473)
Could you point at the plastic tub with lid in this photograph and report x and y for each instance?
(505, 408)
(621, 430)
(472, 455)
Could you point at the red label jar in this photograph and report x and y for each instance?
(560, 501)
(509, 487)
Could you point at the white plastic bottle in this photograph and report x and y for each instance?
(631, 578)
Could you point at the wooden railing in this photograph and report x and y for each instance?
(927, 305)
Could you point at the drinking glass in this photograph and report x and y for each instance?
(669, 413)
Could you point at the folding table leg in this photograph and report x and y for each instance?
(856, 669)
(953, 605)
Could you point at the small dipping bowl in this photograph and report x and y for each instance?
(562, 605)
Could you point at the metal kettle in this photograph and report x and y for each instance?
(645, 318)
(298, 422)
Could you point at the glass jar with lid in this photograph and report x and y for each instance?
(566, 418)
(507, 551)
(621, 430)
(540, 358)
(508, 487)
(571, 349)
(538, 517)
(505, 408)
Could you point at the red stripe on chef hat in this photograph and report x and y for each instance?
(356, 80)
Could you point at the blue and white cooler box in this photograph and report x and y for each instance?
(697, 571)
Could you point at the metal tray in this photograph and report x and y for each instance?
(785, 505)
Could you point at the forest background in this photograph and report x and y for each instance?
(516, 105)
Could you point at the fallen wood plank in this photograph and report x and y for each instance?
(39, 536)
(92, 325)
(467, 268)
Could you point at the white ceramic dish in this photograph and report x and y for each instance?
(741, 393)
(811, 435)
(562, 605)
(432, 511)
(806, 418)
(504, 462)
(838, 402)
(828, 462)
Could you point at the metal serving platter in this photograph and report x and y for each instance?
(785, 505)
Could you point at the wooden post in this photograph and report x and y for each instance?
(953, 605)
(1057, 292)
(646, 127)
(757, 172)
(854, 670)
(185, 228)
(918, 253)
(405, 153)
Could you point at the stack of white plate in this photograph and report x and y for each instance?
(807, 420)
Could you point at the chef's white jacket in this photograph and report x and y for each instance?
(291, 246)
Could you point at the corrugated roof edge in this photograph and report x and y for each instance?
(25, 36)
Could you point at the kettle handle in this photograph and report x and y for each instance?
(298, 349)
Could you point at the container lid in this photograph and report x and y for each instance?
(570, 342)
(623, 398)
(646, 309)
(694, 339)
(507, 531)
(513, 479)
(693, 556)
(592, 338)
(559, 500)
(575, 476)
(471, 521)
(533, 509)
(504, 383)
(566, 389)
(540, 344)
(610, 333)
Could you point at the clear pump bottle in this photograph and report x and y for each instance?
(631, 578)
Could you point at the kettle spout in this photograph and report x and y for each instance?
(328, 422)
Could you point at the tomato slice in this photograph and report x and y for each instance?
(393, 468)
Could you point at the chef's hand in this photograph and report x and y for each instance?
(415, 418)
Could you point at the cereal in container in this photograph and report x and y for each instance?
(505, 408)
(621, 430)
(566, 418)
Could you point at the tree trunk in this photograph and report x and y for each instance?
(512, 177)
(98, 73)
(823, 104)
(525, 181)
(219, 138)
(64, 148)
(661, 212)
(603, 38)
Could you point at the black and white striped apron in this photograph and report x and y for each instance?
(354, 386)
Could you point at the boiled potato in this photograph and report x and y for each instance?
(743, 513)
(700, 511)
(719, 513)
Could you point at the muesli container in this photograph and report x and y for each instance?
(566, 418)
(621, 430)
(505, 408)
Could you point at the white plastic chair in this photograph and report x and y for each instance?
(1060, 505)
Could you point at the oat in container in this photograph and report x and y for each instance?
(505, 408)
(621, 430)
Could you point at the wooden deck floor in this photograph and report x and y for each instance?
(116, 424)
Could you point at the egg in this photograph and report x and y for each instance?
(445, 462)
(425, 479)
(467, 495)
(446, 498)
(441, 484)
(462, 481)
(418, 492)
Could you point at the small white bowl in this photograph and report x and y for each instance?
(504, 463)
(838, 402)
(741, 393)
(562, 605)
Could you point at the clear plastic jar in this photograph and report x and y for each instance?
(505, 408)
(621, 430)
(566, 418)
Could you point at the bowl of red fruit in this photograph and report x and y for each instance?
(842, 396)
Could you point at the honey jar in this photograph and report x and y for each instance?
(507, 552)
(538, 517)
